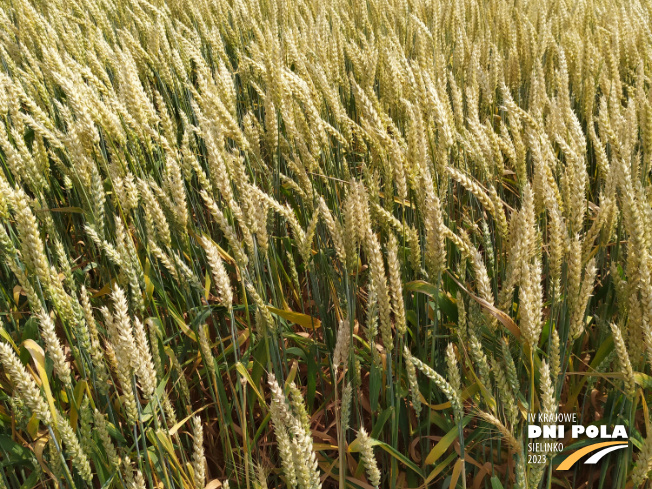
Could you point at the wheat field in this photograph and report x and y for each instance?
(323, 244)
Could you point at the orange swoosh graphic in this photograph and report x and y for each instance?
(575, 456)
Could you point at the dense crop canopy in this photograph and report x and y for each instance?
(305, 243)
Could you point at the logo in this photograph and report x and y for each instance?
(547, 438)
(603, 449)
